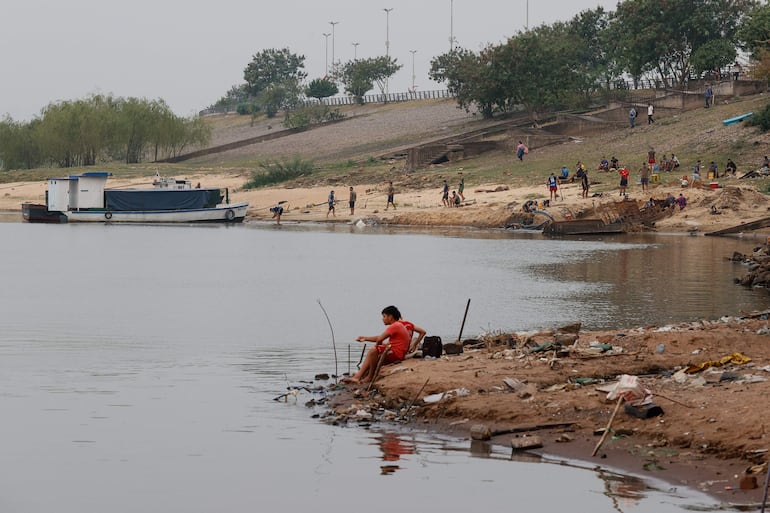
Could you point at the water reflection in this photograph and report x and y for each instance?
(393, 447)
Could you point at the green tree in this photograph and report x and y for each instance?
(715, 54)
(660, 36)
(273, 67)
(463, 72)
(321, 88)
(361, 75)
(754, 33)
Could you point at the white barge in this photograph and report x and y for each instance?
(84, 198)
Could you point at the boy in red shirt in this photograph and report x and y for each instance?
(398, 340)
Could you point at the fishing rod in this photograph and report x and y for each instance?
(334, 344)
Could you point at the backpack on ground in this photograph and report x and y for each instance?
(432, 346)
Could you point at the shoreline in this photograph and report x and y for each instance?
(486, 205)
(712, 431)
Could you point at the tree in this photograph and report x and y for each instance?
(273, 67)
(754, 33)
(661, 36)
(360, 76)
(321, 88)
(716, 54)
(463, 71)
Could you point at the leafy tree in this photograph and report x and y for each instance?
(361, 75)
(754, 33)
(321, 88)
(593, 48)
(715, 54)
(661, 36)
(272, 67)
(463, 71)
(236, 95)
(19, 147)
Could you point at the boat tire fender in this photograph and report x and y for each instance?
(108, 215)
(230, 214)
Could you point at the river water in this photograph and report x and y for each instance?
(138, 364)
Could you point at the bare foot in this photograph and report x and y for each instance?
(350, 380)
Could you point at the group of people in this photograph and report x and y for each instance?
(457, 196)
(392, 345)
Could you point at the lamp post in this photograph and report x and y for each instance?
(326, 36)
(451, 25)
(413, 52)
(387, 31)
(387, 42)
(333, 23)
(355, 51)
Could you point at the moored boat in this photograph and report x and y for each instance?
(84, 198)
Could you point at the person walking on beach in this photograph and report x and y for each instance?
(391, 195)
(352, 201)
(398, 340)
(331, 202)
(632, 116)
(650, 111)
(445, 194)
(708, 96)
(461, 188)
(553, 186)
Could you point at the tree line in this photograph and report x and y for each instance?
(565, 64)
(561, 65)
(98, 129)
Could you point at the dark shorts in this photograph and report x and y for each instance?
(645, 181)
(445, 196)
(331, 206)
(390, 198)
(584, 185)
(623, 182)
(352, 204)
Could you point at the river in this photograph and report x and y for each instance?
(138, 364)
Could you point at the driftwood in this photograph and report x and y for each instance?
(481, 432)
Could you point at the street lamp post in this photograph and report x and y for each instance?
(413, 52)
(326, 36)
(333, 23)
(387, 42)
(451, 25)
(355, 51)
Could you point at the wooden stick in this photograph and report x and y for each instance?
(377, 369)
(462, 326)
(657, 394)
(417, 396)
(609, 425)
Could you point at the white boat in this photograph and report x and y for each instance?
(84, 198)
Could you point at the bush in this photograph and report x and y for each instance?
(275, 172)
(311, 115)
(761, 119)
(247, 108)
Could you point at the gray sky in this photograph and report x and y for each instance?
(189, 53)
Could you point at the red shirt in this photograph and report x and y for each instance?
(399, 339)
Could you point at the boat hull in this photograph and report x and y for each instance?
(37, 213)
(234, 213)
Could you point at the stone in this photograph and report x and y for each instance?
(480, 432)
(453, 348)
(524, 443)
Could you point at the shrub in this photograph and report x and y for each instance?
(273, 172)
(761, 119)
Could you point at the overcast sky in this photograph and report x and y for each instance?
(189, 53)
